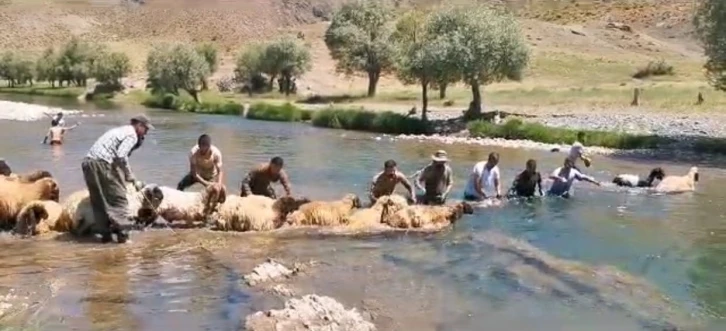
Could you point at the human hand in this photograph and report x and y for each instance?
(138, 185)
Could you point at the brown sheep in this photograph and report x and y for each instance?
(41, 217)
(371, 217)
(325, 213)
(30, 177)
(14, 195)
(254, 212)
(679, 184)
(424, 217)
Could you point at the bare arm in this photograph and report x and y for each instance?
(245, 188)
(220, 172)
(586, 178)
(420, 179)
(449, 181)
(497, 184)
(372, 187)
(47, 134)
(285, 181)
(71, 127)
(404, 181)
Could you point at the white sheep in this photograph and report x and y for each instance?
(254, 212)
(678, 184)
(628, 180)
(424, 217)
(190, 207)
(325, 213)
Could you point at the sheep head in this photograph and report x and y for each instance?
(693, 172)
(460, 209)
(34, 176)
(47, 189)
(353, 199)
(656, 173)
(29, 218)
(286, 205)
(152, 198)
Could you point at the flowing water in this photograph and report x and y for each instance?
(460, 279)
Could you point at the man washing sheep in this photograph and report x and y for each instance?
(259, 180)
(384, 183)
(205, 165)
(102, 171)
(435, 180)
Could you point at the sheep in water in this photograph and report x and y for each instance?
(14, 195)
(254, 212)
(325, 213)
(424, 217)
(40, 217)
(678, 184)
(628, 180)
(190, 207)
(371, 217)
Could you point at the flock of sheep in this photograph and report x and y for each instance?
(29, 205)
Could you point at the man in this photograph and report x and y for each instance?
(106, 185)
(56, 133)
(526, 182)
(577, 151)
(56, 119)
(563, 178)
(384, 183)
(259, 180)
(484, 180)
(435, 180)
(205, 165)
(5, 169)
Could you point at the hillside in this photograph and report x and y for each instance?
(573, 44)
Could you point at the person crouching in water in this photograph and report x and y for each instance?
(435, 180)
(563, 178)
(527, 183)
(384, 183)
(205, 165)
(484, 181)
(259, 180)
(57, 132)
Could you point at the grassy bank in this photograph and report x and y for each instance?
(516, 129)
(185, 103)
(370, 121)
(45, 90)
(278, 113)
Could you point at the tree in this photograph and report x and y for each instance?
(486, 45)
(710, 22)
(287, 57)
(109, 68)
(209, 53)
(15, 69)
(46, 67)
(248, 67)
(176, 67)
(359, 39)
(75, 60)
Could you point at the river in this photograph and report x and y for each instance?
(444, 281)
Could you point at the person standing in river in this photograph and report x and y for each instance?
(563, 178)
(57, 132)
(205, 165)
(106, 185)
(485, 180)
(259, 180)
(527, 183)
(435, 180)
(577, 152)
(384, 183)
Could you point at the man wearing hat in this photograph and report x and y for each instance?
(106, 171)
(435, 180)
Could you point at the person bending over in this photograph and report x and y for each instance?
(435, 180)
(563, 178)
(259, 180)
(528, 182)
(205, 165)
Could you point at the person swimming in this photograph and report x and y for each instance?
(57, 132)
(527, 182)
(563, 178)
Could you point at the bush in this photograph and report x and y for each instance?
(174, 102)
(657, 68)
(278, 113)
(362, 120)
(516, 129)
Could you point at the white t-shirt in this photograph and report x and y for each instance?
(561, 187)
(576, 151)
(487, 179)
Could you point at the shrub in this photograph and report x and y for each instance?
(363, 120)
(178, 103)
(278, 113)
(516, 129)
(654, 68)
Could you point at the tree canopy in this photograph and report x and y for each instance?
(176, 67)
(710, 22)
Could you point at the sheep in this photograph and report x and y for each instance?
(190, 207)
(254, 213)
(14, 195)
(29, 177)
(371, 217)
(678, 184)
(424, 217)
(41, 217)
(628, 180)
(142, 205)
(325, 213)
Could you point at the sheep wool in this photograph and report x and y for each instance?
(42, 217)
(254, 213)
(190, 207)
(425, 217)
(325, 213)
(14, 195)
(679, 184)
(371, 217)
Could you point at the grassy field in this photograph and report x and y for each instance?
(43, 89)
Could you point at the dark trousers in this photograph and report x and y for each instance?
(107, 191)
(185, 182)
(430, 200)
(268, 191)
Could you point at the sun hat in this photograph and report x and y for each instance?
(440, 156)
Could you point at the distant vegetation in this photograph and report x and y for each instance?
(710, 22)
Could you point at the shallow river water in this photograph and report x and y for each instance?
(471, 277)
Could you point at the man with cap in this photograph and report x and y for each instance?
(435, 180)
(106, 171)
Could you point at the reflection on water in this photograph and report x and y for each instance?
(192, 280)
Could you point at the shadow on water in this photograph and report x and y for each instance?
(446, 281)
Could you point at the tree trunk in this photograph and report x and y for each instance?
(474, 111)
(205, 85)
(194, 94)
(287, 85)
(271, 84)
(424, 100)
(442, 90)
(373, 82)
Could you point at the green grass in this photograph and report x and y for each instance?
(187, 104)
(370, 121)
(45, 90)
(516, 129)
(279, 113)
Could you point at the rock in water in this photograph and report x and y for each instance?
(267, 271)
(311, 312)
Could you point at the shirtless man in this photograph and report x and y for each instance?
(259, 180)
(384, 183)
(435, 180)
(56, 133)
(205, 165)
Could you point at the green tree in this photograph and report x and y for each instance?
(359, 39)
(248, 67)
(46, 67)
(15, 69)
(486, 45)
(109, 68)
(287, 57)
(209, 53)
(710, 22)
(75, 60)
(172, 68)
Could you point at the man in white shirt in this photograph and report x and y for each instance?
(563, 178)
(577, 151)
(484, 180)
